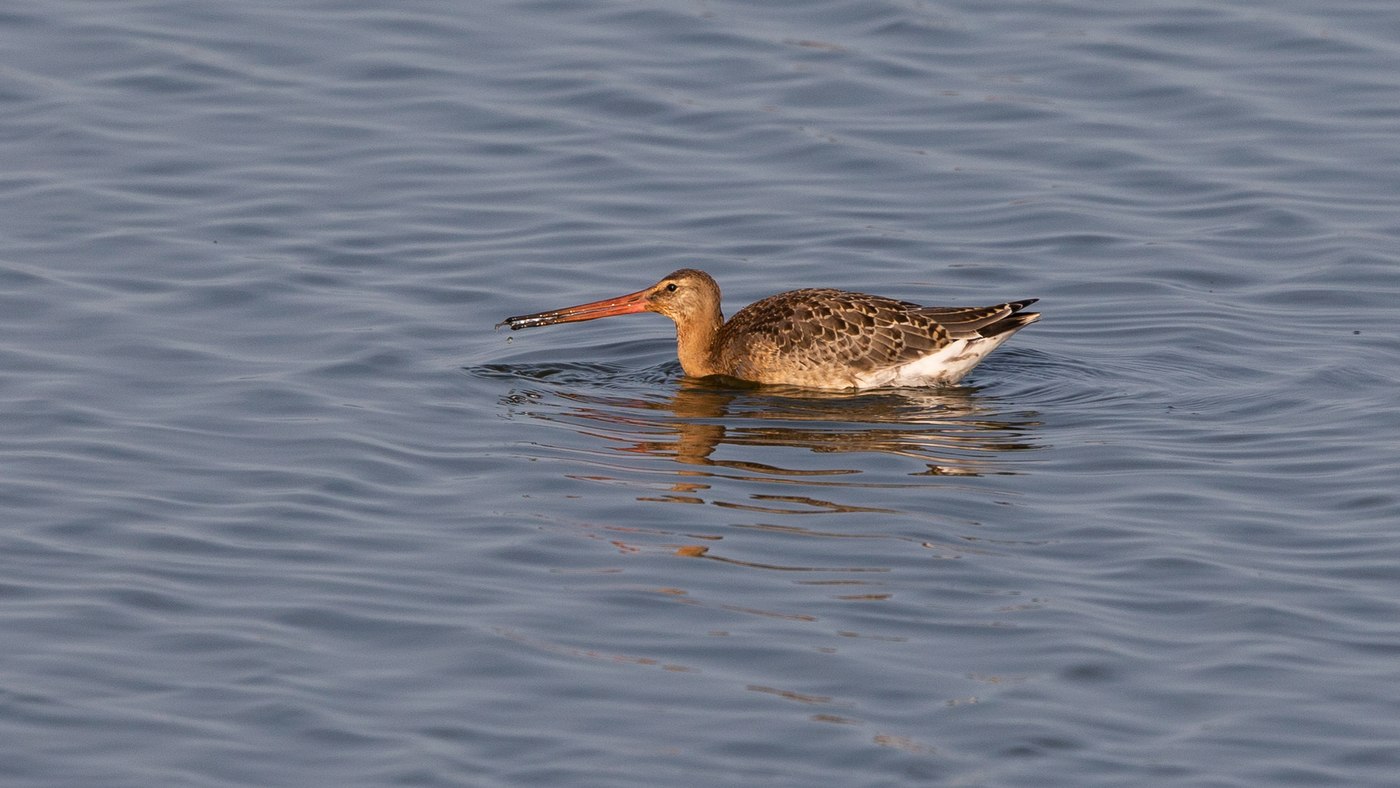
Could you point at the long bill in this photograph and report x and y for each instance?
(622, 305)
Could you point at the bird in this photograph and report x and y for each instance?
(816, 338)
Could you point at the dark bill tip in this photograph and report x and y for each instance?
(524, 321)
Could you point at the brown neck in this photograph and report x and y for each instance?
(695, 344)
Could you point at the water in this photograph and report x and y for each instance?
(281, 508)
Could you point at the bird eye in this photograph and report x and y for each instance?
(671, 288)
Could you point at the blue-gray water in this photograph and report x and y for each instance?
(281, 508)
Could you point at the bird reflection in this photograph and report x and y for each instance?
(948, 432)
(788, 462)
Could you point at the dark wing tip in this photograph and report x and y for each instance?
(1012, 322)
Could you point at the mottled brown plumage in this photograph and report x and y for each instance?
(815, 338)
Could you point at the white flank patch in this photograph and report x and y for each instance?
(947, 365)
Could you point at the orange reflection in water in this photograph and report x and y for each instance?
(950, 432)
(775, 454)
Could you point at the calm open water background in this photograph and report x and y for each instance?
(281, 508)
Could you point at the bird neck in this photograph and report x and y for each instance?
(696, 345)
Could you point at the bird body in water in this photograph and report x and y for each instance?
(814, 338)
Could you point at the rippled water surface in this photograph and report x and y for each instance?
(282, 508)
